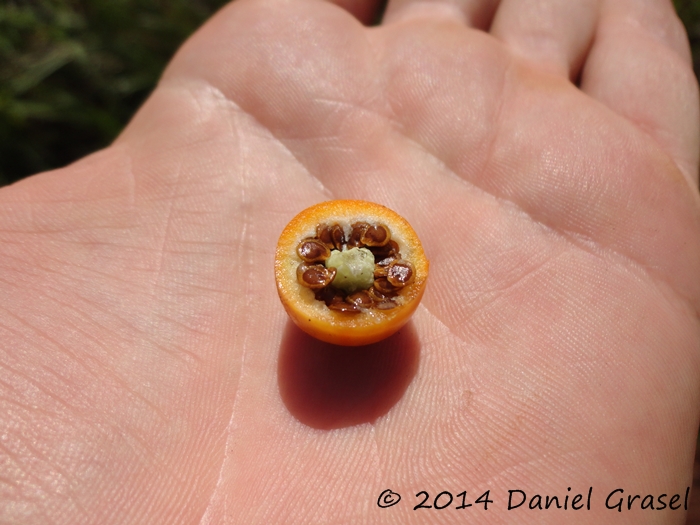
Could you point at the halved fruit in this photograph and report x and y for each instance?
(350, 272)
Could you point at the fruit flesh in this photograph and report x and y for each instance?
(312, 315)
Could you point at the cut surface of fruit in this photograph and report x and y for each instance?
(350, 272)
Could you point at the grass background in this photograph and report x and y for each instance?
(72, 72)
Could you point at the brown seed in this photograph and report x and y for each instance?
(380, 271)
(332, 236)
(323, 234)
(384, 286)
(315, 276)
(358, 230)
(344, 307)
(312, 250)
(376, 295)
(390, 249)
(338, 297)
(361, 299)
(377, 235)
(326, 294)
(386, 261)
(400, 273)
(338, 236)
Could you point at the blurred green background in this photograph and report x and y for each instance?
(72, 72)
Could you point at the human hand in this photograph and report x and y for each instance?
(150, 375)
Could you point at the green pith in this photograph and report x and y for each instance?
(354, 267)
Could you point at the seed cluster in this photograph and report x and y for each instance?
(391, 272)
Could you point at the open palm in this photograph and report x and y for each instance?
(149, 374)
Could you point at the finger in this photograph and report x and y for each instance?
(555, 35)
(281, 57)
(474, 13)
(640, 66)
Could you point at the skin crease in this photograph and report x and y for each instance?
(148, 373)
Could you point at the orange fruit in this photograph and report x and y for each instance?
(350, 272)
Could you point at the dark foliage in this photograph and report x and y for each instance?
(689, 12)
(72, 72)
